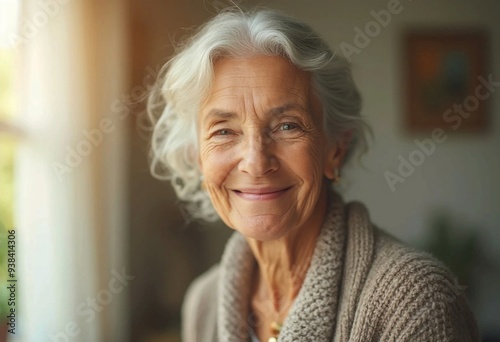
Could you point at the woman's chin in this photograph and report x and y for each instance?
(262, 228)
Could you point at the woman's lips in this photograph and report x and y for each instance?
(261, 194)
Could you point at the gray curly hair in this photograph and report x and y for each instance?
(185, 80)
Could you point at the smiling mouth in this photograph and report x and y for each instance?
(261, 194)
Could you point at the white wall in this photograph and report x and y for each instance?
(461, 176)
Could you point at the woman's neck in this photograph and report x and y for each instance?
(283, 263)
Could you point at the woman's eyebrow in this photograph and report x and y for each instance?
(216, 113)
(287, 107)
(219, 114)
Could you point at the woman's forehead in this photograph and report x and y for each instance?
(263, 80)
(258, 71)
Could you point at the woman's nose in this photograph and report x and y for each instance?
(257, 156)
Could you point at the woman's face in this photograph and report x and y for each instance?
(262, 149)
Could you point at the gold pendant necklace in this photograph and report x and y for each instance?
(275, 331)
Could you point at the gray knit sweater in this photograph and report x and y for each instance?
(362, 285)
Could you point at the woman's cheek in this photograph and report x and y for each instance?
(217, 165)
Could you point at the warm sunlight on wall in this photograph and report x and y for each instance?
(8, 108)
(8, 143)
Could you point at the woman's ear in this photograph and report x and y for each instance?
(335, 154)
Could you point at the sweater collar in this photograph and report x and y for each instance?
(312, 316)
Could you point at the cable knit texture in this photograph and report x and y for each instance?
(362, 285)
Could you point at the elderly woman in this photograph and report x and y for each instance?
(254, 120)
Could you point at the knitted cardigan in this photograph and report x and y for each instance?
(362, 285)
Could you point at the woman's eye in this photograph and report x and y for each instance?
(287, 127)
(223, 132)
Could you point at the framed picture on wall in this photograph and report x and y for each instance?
(447, 80)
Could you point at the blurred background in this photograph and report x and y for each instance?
(104, 252)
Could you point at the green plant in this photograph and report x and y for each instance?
(3, 272)
(457, 247)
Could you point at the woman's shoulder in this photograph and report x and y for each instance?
(199, 308)
(411, 293)
(205, 283)
(397, 261)
(387, 258)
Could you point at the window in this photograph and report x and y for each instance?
(8, 137)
